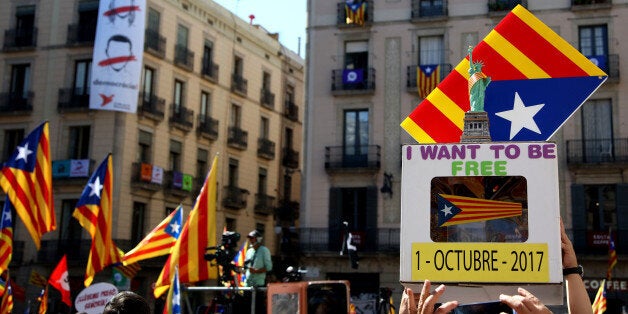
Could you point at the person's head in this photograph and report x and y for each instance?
(255, 237)
(127, 302)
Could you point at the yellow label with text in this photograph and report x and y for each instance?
(480, 262)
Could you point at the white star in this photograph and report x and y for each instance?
(428, 70)
(175, 227)
(447, 210)
(521, 116)
(96, 187)
(23, 152)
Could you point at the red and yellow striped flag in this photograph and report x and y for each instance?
(27, 180)
(599, 303)
(455, 210)
(529, 65)
(355, 12)
(43, 301)
(94, 213)
(6, 306)
(160, 240)
(427, 78)
(6, 236)
(199, 232)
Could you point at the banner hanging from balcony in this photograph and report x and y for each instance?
(538, 80)
(117, 59)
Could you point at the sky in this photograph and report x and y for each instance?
(286, 17)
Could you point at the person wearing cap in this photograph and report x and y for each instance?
(258, 261)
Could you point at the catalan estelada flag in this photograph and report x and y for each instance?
(43, 301)
(27, 179)
(427, 78)
(160, 240)
(599, 303)
(239, 260)
(6, 305)
(199, 232)
(6, 236)
(612, 255)
(94, 213)
(456, 210)
(355, 11)
(173, 300)
(538, 80)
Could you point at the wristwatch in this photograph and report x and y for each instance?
(574, 270)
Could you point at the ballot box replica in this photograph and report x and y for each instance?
(482, 218)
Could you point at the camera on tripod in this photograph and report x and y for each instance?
(225, 253)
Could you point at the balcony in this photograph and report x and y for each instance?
(73, 100)
(288, 211)
(265, 148)
(594, 152)
(504, 6)
(152, 107)
(427, 10)
(154, 43)
(20, 39)
(349, 158)
(239, 84)
(207, 127)
(79, 34)
(360, 17)
(237, 138)
(290, 158)
(411, 75)
(267, 99)
(16, 103)
(590, 4)
(146, 177)
(71, 171)
(353, 81)
(264, 204)
(235, 197)
(608, 64)
(210, 71)
(291, 111)
(181, 118)
(77, 251)
(183, 57)
(374, 240)
(178, 184)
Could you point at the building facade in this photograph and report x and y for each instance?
(212, 84)
(362, 82)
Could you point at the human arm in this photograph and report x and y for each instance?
(577, 297)
(427, 301)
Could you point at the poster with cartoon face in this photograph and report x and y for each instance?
(480, 214)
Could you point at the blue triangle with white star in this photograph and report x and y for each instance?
(446, 210)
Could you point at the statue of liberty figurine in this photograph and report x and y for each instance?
(478, 82)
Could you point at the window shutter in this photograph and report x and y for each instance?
(335, 217)
(622, 218)
(579, 218)
(371, 218)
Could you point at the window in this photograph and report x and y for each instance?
(204, 112)
(236, 115)
(356, 136)
(266, 81)
(230, 224)
(20, 81)
(358, 207)
(233, 172)
(178, 96)
(137, 227)
(149, 82)
(264, 128)
(182, 36)
(78, 145)
(153, 20)
(289, 137)
(175, 155)
(208, 58)
(12, 139)
(290, 94)
(69, 228)
(597, 130)
(24, 25)
(88, 16)
(201, 163)
(594, 44)
(238, 66)
(287, 187)
(431, 50)
(82, 77)
(145, 143)
(600, 207)
(262, 181)
(356, 55)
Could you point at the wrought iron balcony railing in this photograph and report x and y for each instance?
(291, 111)
(267, 99)
(588, 3)
(597, 151)
(210, 71)
(20, 38)
(362, 80)
(178, 184)
(365, 157)
(72, 171)
(427, 9)
(207, 127)
(239, 84)
(154, 43)
(73, 99)
(81, 34)
(16, 103)
(360, 17)
(152, 106)
(330, 240)
(237, 138)
(235, 197)
(265, 148)
(411, 75)
(264, 204)
(181, 117)
(147, 177)
(290, 158)
(504, 5)
(184, 57)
